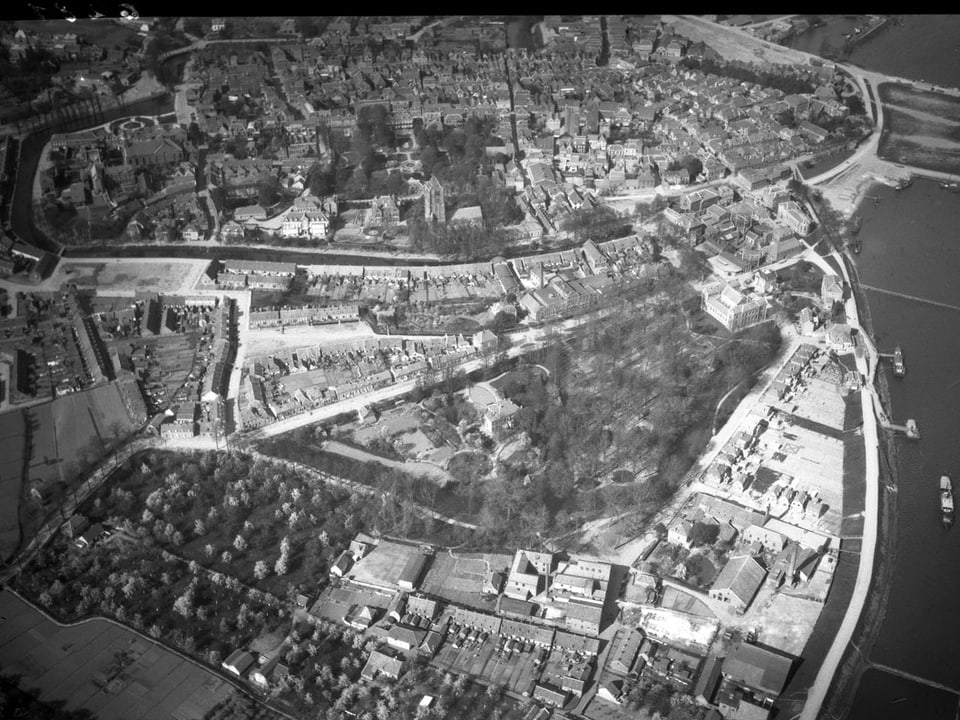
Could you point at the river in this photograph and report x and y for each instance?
(916, 47)
(909, 248)
(21, 213)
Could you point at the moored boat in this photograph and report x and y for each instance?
(946, 500)
(899, 368)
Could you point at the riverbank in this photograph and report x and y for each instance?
(854, 662)
(866, 361)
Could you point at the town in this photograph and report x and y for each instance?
(395, 369)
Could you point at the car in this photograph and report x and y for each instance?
(508, 648)
(472, 636)
(528, 647)
(483, 637)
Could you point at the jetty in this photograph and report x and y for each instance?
(911, 430)
(905, 296)
(896, 357)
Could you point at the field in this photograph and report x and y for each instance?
(460, 579)
(335, 602)
(12, 429)
(126, 277)
(103, 668)
(68, 428)
(266, 341)
(920, 128)
(64, 436)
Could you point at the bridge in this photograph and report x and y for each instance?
(915, 298)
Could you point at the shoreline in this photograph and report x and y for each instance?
(834, 666)
(855, 659)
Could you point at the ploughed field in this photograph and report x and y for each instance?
(921, 128)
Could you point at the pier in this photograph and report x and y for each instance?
(916, 678)
(936, 303)
(910, 429)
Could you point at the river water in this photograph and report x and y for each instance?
(910, 247)
(916, 47)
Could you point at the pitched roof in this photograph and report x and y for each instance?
(757, 668)
(411, 636)
(378, 662)
(742, 576)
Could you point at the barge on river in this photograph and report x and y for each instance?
(946, 500)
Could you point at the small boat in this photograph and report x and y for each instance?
(899, 369)
(946, 500)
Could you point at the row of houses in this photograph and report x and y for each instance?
(307, 315)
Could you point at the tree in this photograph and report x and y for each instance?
(184, 604)
(268, 189)
(855, 104)
(240, 543)
(321, 179)
(260, 570)
(281, 565)
(238, 146)
(704, 534)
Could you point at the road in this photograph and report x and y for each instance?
(867, 363)
(423, 469)
(353, 486)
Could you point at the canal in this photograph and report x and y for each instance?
(21, 216)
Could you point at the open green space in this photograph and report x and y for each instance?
(99, 669)
(921, 128)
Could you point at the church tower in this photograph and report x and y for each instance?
(433, 208)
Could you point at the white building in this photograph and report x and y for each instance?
(731, 307)
(309, 223)
(791, 215)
